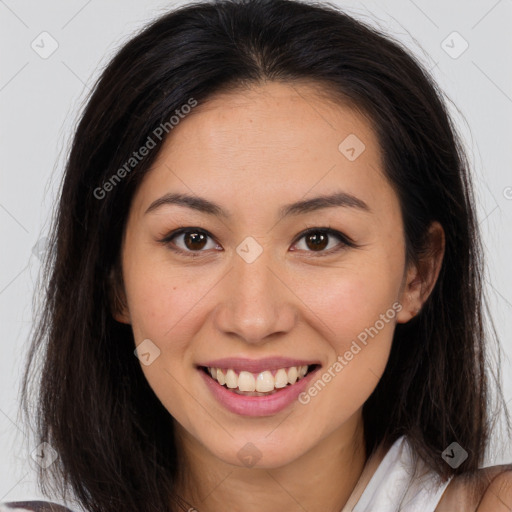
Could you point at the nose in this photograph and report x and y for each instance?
(256, 304)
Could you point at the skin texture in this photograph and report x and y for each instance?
(253, 151)
(487, 490)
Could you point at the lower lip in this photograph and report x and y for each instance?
(257, 405)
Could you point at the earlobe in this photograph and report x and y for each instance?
(413, 294)
(122, 317)
(423, 274)
(117, 297)
(410, 308)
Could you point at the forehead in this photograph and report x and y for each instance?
(281, 119)
(268, 143)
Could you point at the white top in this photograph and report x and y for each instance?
(397, 487)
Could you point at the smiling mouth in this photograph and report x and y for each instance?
(264, 383)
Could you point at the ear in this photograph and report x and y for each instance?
(421, 276)
(117, 296)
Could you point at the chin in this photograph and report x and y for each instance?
(256, 454)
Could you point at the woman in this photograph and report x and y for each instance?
(265, 285)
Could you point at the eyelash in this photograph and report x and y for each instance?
(345, 240)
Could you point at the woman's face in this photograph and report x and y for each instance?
(245, 284)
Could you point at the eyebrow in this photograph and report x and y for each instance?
(338, 199)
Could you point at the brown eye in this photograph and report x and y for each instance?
(317, 240)
(189, 240)
(194, 241)
(323, 241)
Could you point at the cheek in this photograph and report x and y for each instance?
(360, 312)
(163, 308)
(162, 298)
(354, 300)
(357, 314)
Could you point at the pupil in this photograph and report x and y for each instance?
(319, 240)
(193, 238)
(195, 241)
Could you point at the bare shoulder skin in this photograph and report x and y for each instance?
(487, 490)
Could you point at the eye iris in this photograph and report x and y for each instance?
(191, 238)
(318, 239)
(195, 240)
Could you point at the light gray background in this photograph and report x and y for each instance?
(40, 99)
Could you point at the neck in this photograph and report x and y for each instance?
(318, 480)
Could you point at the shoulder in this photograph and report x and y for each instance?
(486, 490)
(498, 496)
(32, 506)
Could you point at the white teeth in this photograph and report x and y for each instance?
(246, 382)
(281, 378)
(231, 379)
(292, 374)
(220, 377)
(263, 382)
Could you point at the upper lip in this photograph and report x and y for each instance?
(256, 365)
